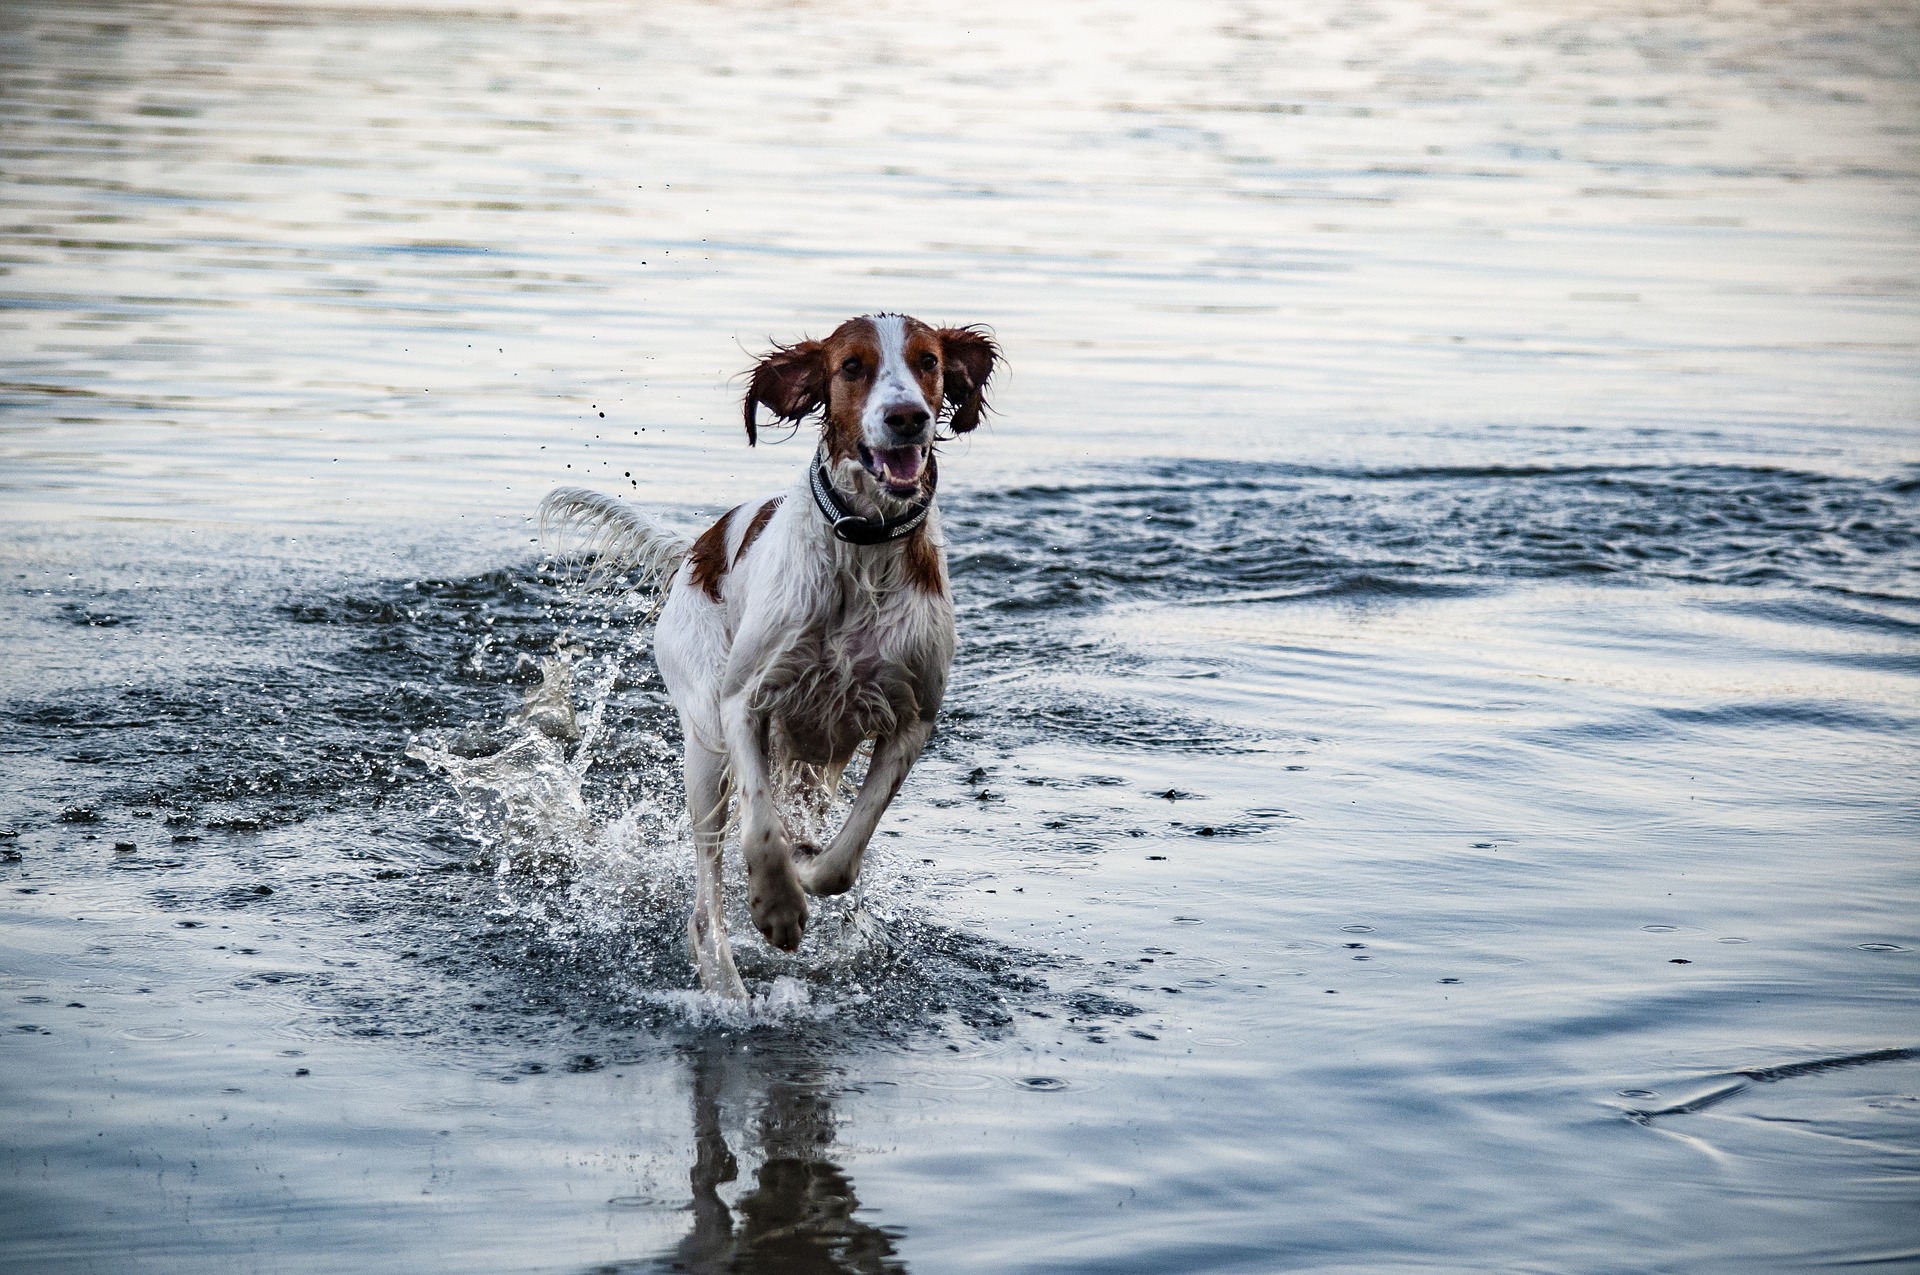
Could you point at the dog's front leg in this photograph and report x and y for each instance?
(773, 889)
(835, 869)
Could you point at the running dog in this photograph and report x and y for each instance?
(798, 628)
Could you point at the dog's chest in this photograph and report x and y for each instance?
(858, 667)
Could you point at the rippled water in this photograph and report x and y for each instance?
(1429, 777)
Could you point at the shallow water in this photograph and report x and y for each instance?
(1429, 776)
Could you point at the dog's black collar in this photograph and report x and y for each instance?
(857, 529)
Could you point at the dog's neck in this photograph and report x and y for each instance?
(855, 492)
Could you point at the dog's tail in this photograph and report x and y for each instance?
(577, 523)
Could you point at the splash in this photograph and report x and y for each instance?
(577, 876)
(785, 1000)
(524, 803)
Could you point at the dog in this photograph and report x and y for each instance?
(798, 628)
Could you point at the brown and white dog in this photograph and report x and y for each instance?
(797, 628)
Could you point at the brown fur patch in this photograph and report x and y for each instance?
(791, 382)
(761, 517)
(970, 355)
(709, 555)
(925, 569)
(847, 391)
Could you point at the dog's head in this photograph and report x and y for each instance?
(879, 382)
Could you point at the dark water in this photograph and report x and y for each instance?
(1429, 780)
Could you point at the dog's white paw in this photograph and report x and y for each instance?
(779, 906)
(823, 875)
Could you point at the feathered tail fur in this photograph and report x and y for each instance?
(577, 523)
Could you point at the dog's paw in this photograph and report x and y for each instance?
(779, 907)
(825, 876)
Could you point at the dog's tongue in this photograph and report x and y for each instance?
(900, 466)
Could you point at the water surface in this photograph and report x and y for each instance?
(1429, 777)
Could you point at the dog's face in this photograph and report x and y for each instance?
(879, 380)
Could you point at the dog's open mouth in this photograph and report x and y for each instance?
(899, 469)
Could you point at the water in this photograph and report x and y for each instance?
(1428, 781)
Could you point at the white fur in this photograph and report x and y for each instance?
(618, 538)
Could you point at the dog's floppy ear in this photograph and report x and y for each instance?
(967, 359)
(790, 381)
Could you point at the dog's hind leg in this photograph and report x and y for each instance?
(707, 795)
(835, 869)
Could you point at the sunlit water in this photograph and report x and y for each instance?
(1429, 777)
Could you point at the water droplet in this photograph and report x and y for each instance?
(158, 1033)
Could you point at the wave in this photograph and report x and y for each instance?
(1207, 528)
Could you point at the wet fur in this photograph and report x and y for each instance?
(613, 536)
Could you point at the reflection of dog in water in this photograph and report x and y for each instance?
(799, 628)
(798, 1218)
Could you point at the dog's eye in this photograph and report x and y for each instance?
(928, 362)
(850, 368)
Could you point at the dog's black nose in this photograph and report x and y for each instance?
(907, 422)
